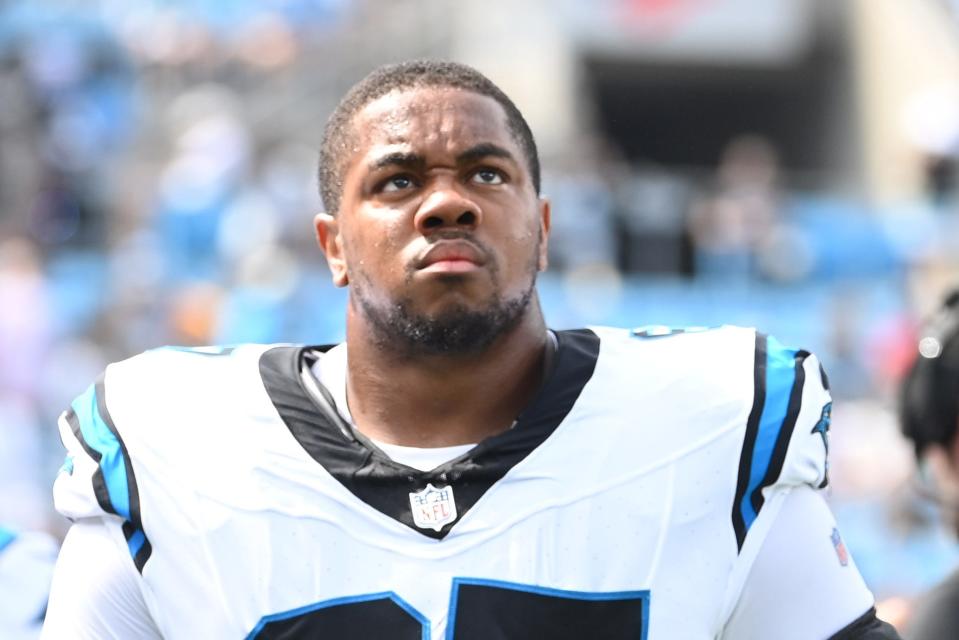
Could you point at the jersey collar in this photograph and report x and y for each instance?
(309, 412)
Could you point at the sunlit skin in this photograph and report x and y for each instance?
(438, 208)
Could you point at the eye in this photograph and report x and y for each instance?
(488, 176)
(397, 183)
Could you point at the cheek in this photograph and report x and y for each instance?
(375, 246)
(519, 260)
(523, 243)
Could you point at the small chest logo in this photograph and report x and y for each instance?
(433, 508)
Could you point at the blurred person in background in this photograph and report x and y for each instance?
(930, 418)
(26, 566)
(26, 337)
(729, 227)
(25, 320)
(27, 554)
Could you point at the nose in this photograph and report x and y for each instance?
(446, 208)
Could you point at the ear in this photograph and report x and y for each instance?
(544, 222)
(331, 242)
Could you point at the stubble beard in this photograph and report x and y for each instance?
(457, 330)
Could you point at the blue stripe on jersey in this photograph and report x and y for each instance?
(114, 484)
(136, 541)
(780, 378)
(101, 439)
(6, 537)
(547, 591)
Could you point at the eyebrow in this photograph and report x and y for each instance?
(397, 159)
(483, 150)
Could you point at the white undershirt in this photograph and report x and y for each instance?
(330, 370)
(424, 459)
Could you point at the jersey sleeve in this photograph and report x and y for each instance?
(97, 478)
(802, 567)
(784, 451)
(786, 435)
(95, 592)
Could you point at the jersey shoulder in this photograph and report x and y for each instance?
(708, 383)
(698, 380)
(153, 408)
(159, 392)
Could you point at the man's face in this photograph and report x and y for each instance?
(440, 233)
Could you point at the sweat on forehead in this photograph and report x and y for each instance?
(338, 139)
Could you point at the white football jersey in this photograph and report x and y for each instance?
(623, 503)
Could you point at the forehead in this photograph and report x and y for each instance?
(430, 119)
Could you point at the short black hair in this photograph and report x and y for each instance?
(337, 136)
(929, 395)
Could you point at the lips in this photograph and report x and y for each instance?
(451, 255)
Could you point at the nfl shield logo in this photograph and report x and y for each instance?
(840, 547)
(432, 507)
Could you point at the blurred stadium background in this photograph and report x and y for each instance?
(788, 164)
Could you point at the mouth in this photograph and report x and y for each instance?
(451, 256)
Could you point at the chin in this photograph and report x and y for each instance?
(454, 327)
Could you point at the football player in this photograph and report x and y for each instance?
(454, 469)
(26, 566)
(929, 415)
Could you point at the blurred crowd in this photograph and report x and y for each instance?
(157, 187)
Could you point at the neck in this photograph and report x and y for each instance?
(443, 400)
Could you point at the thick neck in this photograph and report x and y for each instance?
(443, 400)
